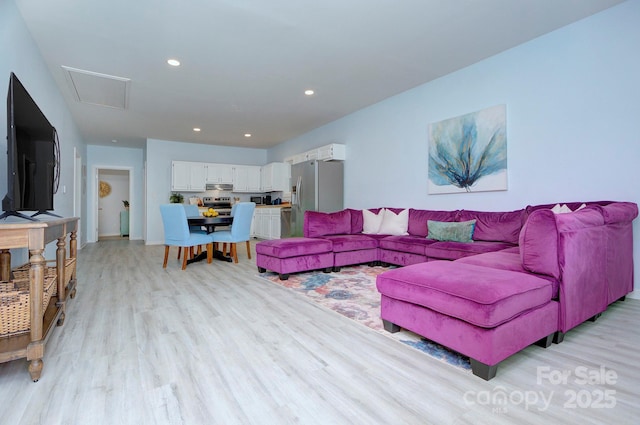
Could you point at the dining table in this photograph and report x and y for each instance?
(210, 224)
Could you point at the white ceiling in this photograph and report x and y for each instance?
(246, 63)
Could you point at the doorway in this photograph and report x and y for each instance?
(113, 211)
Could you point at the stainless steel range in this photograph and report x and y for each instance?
(222, 204)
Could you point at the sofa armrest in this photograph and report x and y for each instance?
(619, 212)
(582, 255)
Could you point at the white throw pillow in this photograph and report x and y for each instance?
(371, 222)
(394, 224)
(561, 209)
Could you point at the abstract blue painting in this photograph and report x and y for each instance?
(469, 153)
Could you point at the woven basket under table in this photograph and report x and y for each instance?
(15, 303)
(22, 272)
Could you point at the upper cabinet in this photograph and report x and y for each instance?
(246, 178)
(332, 152)
(219, 173)
(187, 176)
(276, 177)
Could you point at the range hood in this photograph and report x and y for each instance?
(219, 186)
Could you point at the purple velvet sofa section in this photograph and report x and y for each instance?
(318, 224)
(478, 295)
(406, 243)
(342, 243)
(418, 220)
(293, 255)
(582, 261)
(450, 250)
(293, 247)
(539, 244)
(495, 226)
(494, 231)
(403, 258)
(353, 249)
(301, 263)
(489, 346)
(618, 218)
(507, 259)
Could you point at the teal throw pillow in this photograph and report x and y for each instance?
(459, 231)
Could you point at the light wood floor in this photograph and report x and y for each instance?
(217, 345)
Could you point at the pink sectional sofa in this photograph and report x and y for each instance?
(528, 276)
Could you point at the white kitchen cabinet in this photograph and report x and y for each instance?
(312, 154)
(330, 152)
(220, 173)
(266, 223)
(276, 176)
(246, 178)
(187, 176)
(296, 159)
(259, 229)
(274, 223)
(266, 182)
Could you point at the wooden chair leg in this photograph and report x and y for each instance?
(249, 250)
(234, 252)
(209, 253)
(224, 249)
(179, 251)
(184, 257)
(166, 256)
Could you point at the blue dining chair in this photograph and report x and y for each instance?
(177, 233)
(192, 211)
(240, 229)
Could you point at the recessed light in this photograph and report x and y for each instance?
(173, 62)
(114, 141)
(196, 129)
(309, 92)
(247, 134)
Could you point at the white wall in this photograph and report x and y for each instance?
(573, 110)
(20, 54)
(160, 153)
(107, 157)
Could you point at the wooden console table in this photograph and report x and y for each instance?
(35, 236)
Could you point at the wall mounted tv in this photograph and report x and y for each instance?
(32, 153)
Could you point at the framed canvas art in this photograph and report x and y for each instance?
(469, 153)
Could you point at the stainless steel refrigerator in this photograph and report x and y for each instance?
(316, 186)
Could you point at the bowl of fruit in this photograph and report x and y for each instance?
(210, 213)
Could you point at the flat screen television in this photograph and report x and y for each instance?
(32, 152)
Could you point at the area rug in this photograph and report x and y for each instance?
(352, 293)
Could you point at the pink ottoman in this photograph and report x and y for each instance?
(291, 255)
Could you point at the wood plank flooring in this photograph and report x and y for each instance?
(215, 344)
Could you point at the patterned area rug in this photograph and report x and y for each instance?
(352, 293)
